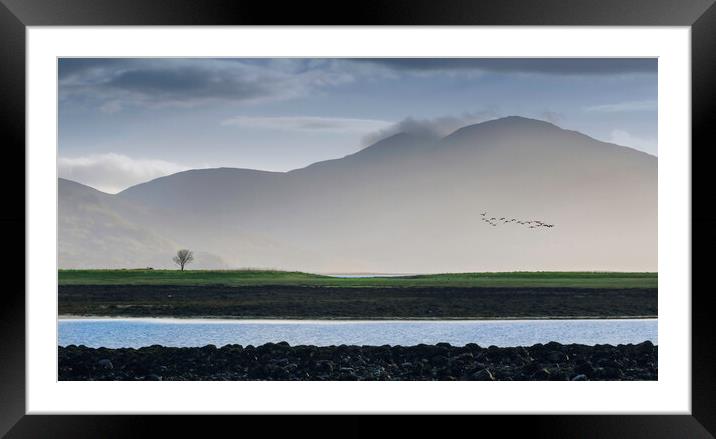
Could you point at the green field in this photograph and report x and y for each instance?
(281, 294)
(239, 278)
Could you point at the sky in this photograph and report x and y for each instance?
(124, 121)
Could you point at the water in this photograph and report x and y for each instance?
(115, 333)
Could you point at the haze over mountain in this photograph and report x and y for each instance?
(405, 204)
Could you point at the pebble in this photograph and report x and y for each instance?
(280, 361)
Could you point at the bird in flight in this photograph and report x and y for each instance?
(530, 224)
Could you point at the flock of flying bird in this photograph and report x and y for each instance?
(532, 224)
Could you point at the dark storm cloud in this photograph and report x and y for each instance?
(553, 66)
(112, 84)
(174, 81)
(188, 83)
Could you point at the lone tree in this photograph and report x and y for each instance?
(183, 257)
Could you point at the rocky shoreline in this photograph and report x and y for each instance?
(280, 361)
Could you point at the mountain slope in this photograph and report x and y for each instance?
(99, 230)
(409, 204)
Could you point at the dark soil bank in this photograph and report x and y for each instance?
(295, 301)
(552, 361)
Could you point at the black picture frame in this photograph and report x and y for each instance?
(699, 15)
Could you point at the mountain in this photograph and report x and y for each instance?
(98, 230)
(404, 204)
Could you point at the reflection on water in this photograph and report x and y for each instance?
(114, 333)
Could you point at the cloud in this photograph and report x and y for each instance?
(623, 138)
(435, 127)
(113, 84)
(553, 117)
(308, 123)
(113, 173)
(648, 105)
(549, 66)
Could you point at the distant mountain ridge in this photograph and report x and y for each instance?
(403, 204)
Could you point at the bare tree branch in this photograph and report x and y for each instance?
(183, 257)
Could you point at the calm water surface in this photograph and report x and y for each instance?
(115, 333)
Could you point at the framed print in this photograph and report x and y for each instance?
(478, 208)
